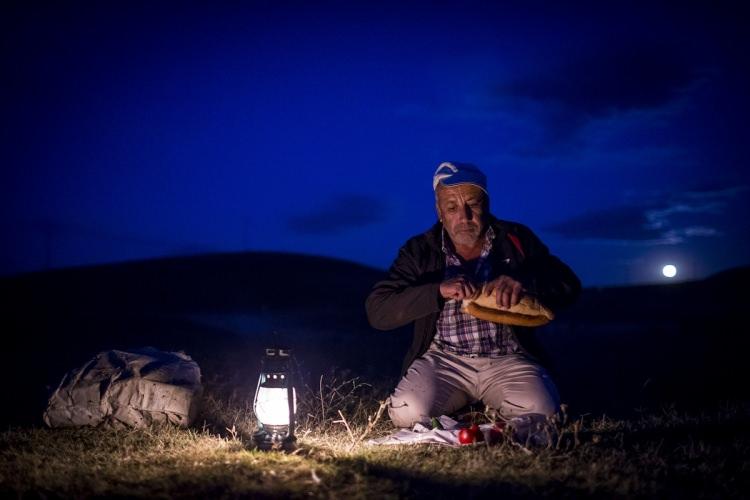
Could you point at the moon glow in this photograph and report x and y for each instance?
(669, 271)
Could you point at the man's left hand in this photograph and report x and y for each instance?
(509, 291)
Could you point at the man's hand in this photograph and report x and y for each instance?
(509, 291)
(458, 288)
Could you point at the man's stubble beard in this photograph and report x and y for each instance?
(465, 237)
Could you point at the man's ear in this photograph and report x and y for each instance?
(437, 202)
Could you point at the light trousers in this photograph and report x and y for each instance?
(440, 383)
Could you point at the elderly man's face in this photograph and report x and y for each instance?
(463, 210)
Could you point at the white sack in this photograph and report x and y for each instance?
(127, 388)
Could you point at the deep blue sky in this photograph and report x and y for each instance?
(135, 130)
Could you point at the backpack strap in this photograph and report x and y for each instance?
(516, 243)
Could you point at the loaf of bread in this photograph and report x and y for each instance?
(528, 312)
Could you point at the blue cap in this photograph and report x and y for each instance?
(453, 174)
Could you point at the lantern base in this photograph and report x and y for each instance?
(266, 440)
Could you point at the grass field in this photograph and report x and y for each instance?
(666, 454)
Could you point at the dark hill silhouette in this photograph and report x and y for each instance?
(719, 293)
(616, 349)
(620, 348)
(215, 282)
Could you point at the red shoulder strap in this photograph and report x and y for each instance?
(516, 243)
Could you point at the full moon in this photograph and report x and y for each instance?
(669, 271)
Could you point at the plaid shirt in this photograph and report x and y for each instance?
(461, 333)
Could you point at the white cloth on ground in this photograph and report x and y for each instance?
(527, 431)
(420, 434)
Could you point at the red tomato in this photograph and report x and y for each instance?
(465, 436)
(478, 436)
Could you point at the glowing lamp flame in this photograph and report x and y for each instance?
(272, 405)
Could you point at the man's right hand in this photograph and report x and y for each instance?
(458, 288)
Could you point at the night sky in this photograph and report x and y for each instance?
(133, 130)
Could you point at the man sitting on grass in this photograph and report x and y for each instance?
(456, 358)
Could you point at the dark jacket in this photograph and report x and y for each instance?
(411, 292)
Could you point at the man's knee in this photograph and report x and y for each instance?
(412, 398)
(536, 394)
(543, 403)
(428, 389)
(406, 410)
(538, 398)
